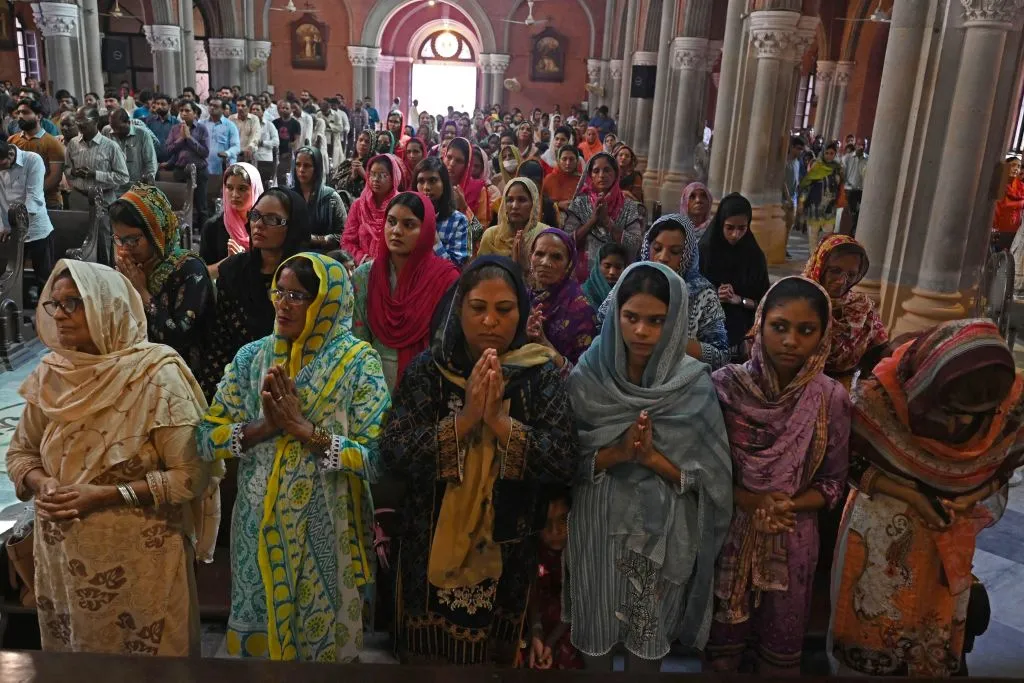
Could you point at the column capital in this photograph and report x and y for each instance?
(825, 73)
(689, 54)
(362, 55)
(56, 19)
(259, 51)
(163, 37)
(806, 36)
(615, 68)
(645, 59)
(227, 48)
(992, 13)
(385, 64)
(594, 68)
(495, 63)
(772, 32)
(844, 72)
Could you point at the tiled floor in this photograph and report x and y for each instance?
(998, 561)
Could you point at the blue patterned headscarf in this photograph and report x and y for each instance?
(689, 267)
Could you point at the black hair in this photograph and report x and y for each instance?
(644, 280)
(508, 135)
(61, 94)
(111, 95)
(162, 96)
(797, 140)
(613, 249)
(304, 272)
(570, 149)
(832, 146)
(119, 115)
(188, 88)
(122, 211)
(91, 113)
(96, 95)
(473, 277)
(444, 206)
(797, 288)
(566, 131)
(218, 99)
(602, 110)
(185, 104)
(417, 141)
(341, 256)
(65, 275)
(5, 147)
(532, 169)
(145, 96)
(36, 107)
(411, 201)
(667, 225)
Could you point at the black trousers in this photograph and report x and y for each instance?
(40, 252)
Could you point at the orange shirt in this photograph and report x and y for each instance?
(46, 146)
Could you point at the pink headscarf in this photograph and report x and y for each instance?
(684, 202)
(236, 224)
(366, 217)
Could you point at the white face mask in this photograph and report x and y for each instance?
(509, 165)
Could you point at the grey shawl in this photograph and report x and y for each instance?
(677, 393)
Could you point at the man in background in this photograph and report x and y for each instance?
(32, 138)
(187, 144)
(250, 131)
(138, 144)
(161, 122)
(21, 181)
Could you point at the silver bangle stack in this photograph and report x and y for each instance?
(128, 494)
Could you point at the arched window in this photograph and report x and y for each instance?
(28, 51)
(446, 46)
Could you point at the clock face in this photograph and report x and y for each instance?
(446, 45)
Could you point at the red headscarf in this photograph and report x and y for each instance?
(401, 319)
(366, 216)
(614, 198)
(471, 187)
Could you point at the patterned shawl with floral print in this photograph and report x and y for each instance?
(569, 319)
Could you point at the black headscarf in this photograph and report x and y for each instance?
(742, 265)
(448, 342)
(240, 274)
(319, 205)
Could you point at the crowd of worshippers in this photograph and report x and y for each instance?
(498, 416)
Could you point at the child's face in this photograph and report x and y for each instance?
(556, 533)
(611, 268)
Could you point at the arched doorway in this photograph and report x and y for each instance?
(444, 72)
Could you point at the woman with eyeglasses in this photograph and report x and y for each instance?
(106, 444)
(174, 283)
(366, 217)
(278, 226)
(859, 336)
(301, 409)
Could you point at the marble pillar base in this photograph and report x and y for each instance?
(769, 227)
(925, 309)
(652, 191)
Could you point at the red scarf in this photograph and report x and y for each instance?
(366, 215)
(614, 199)
(401, 319)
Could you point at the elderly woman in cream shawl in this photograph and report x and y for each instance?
(106, 445)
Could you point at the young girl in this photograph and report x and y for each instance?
(549, 636)
(789, 430)
(612, 260)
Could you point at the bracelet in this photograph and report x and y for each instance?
(321, 440)
(128, 495)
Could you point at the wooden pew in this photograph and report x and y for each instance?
(76, 233)
(181, 198)
(12, 271)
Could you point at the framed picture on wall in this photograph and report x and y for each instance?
(309, 43)
(8, 39)
(547, 57)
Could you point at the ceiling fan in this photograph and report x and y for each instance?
(291, 8)
(879, 16)
(530, 21)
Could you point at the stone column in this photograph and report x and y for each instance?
(612, 95)
(823, 90)
(165, 42)
(227, 61)
(657, 147)
(728, 96)
(772, 35)
(689, 67)
(494, 72)
(60, 26)
(888, 138)
(594, 69)
(91, 29)
(385, 66)
(624, 112)
(259, 56)
(844, 72)
(364, 70)
(486, 98)
(937, 296)
(188, 44)
(641, 111)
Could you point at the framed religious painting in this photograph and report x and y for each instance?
(547, 57)
(8, 38)
(309, 43)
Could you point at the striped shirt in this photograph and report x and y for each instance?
(139, 149)
(101, 155)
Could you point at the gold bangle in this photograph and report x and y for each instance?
(320, 440)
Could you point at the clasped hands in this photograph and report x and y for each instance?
(771, 513)
(485, 397)
(281, 408)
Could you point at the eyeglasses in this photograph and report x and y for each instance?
(281, 295)
(128, 242)
(380, 177)
(269, 220)
(69, 305)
